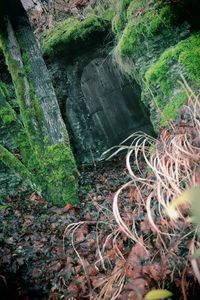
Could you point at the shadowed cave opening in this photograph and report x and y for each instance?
(100, 105)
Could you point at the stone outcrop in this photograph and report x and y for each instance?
(157, 44)
(100, 105)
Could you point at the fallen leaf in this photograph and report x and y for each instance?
(135, 260)
(154, 271)
(56, 266)
(135, 289)
(38, 199)
(81, 233)
(158, 294)
(36, 273)
(67, 208)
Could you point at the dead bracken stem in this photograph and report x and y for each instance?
(159, 170)
(171, 163)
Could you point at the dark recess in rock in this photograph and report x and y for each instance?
(99, 104)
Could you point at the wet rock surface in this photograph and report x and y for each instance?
(100, 106)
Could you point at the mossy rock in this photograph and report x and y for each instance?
(164, 93)
(49, 169)
(69, 35)
(154, 47)
(151, 28)
(120, 20)
(55, 172)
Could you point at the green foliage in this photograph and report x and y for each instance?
(70, 32)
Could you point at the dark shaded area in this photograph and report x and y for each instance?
(67, 51)
(12, 287)
(189, 11)
(99, 104)
(4, 74)
(32, 259)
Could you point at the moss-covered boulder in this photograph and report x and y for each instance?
(100, 106)
(154, 45)
(150, 29)
(164, 79)
(72, 34)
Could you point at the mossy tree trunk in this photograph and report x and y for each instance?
(49, 156)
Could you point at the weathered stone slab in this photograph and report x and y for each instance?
(100, 105)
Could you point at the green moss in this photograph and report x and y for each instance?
(7, 115)
(10, 121)
(163, 78)
(51, 168)
(4, 91)
(57, 173)
(120, 20)
(104, 10)
(70, 31)
(190, 58)
(152, 28)
(109, 14)
(137, 8)
(146, 36)
(18, 76)
(14, 164)
(170, 111)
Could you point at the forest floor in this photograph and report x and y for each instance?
(80, 253)
(119, 243)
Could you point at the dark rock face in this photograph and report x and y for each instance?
(112, 101)
(100, 106)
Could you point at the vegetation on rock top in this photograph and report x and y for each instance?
(70, 32)
(150, 29)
